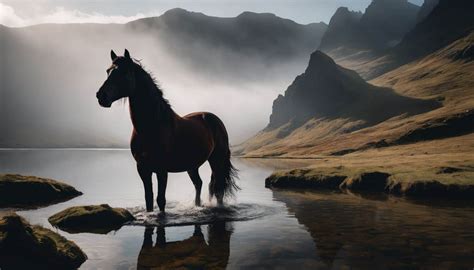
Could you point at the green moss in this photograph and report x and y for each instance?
(43, 248)
(31, 192)
(91, 218)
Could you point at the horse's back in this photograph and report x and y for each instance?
(199, 116)
(209, 119)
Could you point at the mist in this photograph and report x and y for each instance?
(52, 72)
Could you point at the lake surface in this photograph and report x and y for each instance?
(260, 228)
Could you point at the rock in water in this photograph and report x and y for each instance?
(92, 218)
(31, 192)
(25, 246)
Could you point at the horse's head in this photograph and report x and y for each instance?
(120, 80)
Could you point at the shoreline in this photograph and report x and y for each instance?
(370, 181)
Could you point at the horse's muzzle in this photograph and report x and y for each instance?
(103, 100)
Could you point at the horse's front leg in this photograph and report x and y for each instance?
(145, 174)
(162, 182)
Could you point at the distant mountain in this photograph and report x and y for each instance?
(251, 33)
(449, 21)
(452, 19)
(426, 9)
(343, 30)
(387, 21)
(326, 90)
(382, 26)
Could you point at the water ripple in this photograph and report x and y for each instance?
(181, 215)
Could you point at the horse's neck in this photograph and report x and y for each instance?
(145, 108)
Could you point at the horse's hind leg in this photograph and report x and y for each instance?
(162, 182)
(194, 175)
(145, 174)
(219, 197)
(217, 176)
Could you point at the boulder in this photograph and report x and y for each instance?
(25, 246)
(31, 191)
(91, 218)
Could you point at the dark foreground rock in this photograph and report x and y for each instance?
(25, 246)
(91, 218)
(31, 192)
(368, 181)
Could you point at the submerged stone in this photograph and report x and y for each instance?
(25, 246)
(91, 218)
(31, 191)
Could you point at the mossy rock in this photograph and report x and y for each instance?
(91, 218)
(300, 179)
(31, 192)
(25, 246)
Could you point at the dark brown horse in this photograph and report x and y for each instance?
(163, 141)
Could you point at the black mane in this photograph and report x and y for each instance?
(165, 112)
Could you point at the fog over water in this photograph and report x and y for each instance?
(52, 73)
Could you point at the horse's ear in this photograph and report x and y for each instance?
(127, 54)
(112, 55)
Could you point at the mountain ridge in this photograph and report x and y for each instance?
(248, 32)
(328, 90)
(380, 27)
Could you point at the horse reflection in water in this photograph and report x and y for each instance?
(193, 252)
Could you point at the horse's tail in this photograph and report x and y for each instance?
(223, 172)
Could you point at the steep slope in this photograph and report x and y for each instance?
(452, 20)
(387, 21)
(343, 31)
(330, 91)
(323, 103)
(446, 75)
(382, 26)
(426, 9)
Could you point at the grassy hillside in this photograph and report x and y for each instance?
(446, 75)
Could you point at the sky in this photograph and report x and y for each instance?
(18, 13)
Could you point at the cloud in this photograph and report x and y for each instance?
(10, 18)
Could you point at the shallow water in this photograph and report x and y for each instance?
(261, 228)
